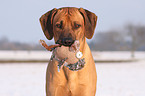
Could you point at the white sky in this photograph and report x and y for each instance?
(19, 19)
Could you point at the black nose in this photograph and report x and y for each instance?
(67, 41)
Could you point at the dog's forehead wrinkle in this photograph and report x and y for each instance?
(69, 14)
(68, 11)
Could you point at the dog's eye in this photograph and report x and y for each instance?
(77, 26)
(58, 25)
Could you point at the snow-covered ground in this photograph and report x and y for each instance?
(25, 55)
(121, 79)
(114, 79)
(45, 55)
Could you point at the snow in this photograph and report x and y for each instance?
(25, 55)
(114, 79)
(45, 55)
(121, 79)
(28, 79)
(117, 55)
(22, 79)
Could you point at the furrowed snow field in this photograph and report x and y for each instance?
(45, 55)
(114, 79)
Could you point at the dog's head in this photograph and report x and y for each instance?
(68, 24)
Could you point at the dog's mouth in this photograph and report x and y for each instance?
(65, 42)
(73, 46)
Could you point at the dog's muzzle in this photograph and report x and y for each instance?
(65, 41)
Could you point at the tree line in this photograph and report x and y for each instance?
(130, 37)
(5, 44)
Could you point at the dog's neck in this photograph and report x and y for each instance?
(83, 45)
(85, 49)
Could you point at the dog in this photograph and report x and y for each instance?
(66, 25)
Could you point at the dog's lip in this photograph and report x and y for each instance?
(58, 42)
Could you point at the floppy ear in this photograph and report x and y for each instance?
(90, 20)
(46, 21)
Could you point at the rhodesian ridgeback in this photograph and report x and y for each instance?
(66, 25)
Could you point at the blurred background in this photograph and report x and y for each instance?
(118, 46)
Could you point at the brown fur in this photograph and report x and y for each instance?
(76, 24)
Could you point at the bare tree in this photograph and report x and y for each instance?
(137, 34)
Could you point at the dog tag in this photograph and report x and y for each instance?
(79, 54)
